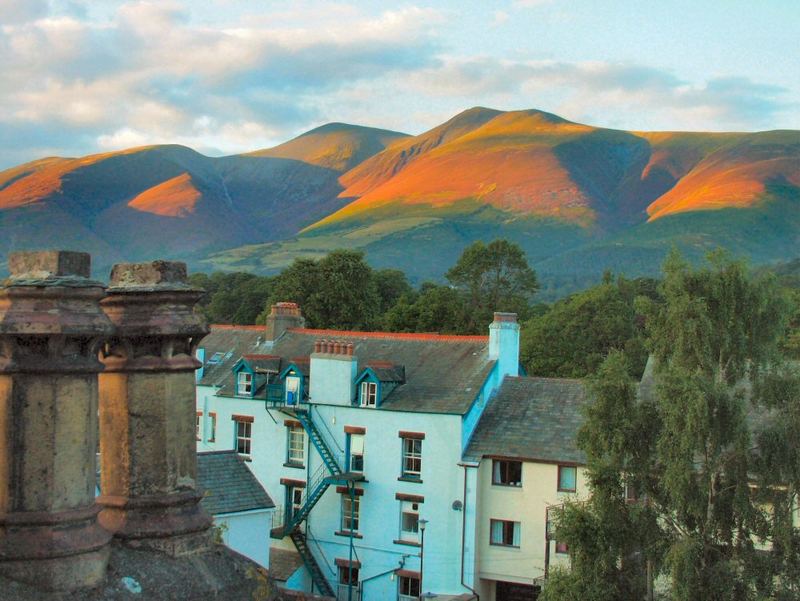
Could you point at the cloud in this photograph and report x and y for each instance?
(594, 90)
(22, 11)
(148, 72)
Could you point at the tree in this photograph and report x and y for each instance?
(572, 338)
(338, 291)
(695, 447)
(434, 309)
(493, 277)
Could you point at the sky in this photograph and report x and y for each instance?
(227, 76)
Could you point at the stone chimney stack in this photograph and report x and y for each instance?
(283, 316)
(504, 343)
(51, 327)
(147, 410)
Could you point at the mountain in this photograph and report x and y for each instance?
(577, 198)
(170, 201)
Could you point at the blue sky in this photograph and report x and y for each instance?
(226, 76)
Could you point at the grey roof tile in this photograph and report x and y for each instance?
(228, 483)
(531, 418)
(443, 374)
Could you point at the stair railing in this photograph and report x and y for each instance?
(320, 552)
(339, 453)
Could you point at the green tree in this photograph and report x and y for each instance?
(493, 277)
(232, 297)
(720, 418)
(434, 308)
(338, 291)
(573, 337)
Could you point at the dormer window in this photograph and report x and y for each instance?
(369, 394)
(244, 384)
(292, 390)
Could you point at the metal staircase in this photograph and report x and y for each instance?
(317, 576)
(328, 473)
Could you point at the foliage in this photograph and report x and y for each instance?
(571, 339)
(434, 309)
(232, 297)
(493, 277)
(689, 447)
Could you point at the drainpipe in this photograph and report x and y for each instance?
(463, 534)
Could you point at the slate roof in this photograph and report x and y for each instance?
(443, 374)
(263, 364)
(387, 372)
(228, 483)
(531, 418)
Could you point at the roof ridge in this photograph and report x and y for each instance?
(393, 335)
(228, 326)
(548, 379)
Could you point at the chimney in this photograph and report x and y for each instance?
(333, 373)
(50, 329)
(147, 410)
(281, 317)
(504, 343)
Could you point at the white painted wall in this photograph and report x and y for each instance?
(247, 533)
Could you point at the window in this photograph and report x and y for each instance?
(213, 423)
(350, 509)
(412, 457)
(409, 521)
(504, 533)
(407, 588)
(295, 444)
(244, 434)
(292, 390)
(567, 478)
(215, 358)
(297, 499)
(507, 473)
(244, 384)
(348, 577)
(356, 452)
(562, 547)
(369, 394)
(198, 421)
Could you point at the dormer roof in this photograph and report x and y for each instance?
(383, 371)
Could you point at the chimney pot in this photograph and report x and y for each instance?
(500, 317)
(153, 274)
(350, 348)
(337, 348)
(41, 264)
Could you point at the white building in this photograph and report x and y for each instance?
(359, 436)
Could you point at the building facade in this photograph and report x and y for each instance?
(360, 438)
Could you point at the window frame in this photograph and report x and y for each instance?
(213, 417)
(409, 595)
(249, 381)
(515, 532)
(562, 548)
(345, 513)
(410, 455)
(411, 536)
(297, 384)
(295, 456)
(246, 438)
(499, 472)
(351, 454)
(198, 426)
(368, 397)
(562, 468)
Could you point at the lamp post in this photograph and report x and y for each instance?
(422, 524)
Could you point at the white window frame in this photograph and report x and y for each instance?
(411, 455)
(292, 385)
(346, 523)
(409, 508)
(498, 529)
(295, 445)
(356, 450)
(243, 433)
(244, 385)
(213, 420)
(198, 426)
(369, 394)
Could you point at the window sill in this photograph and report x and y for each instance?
(410, 479)
(245, 457)
(503, 545)
(348, 534)
(410, 543)
(502, 485)
(568, 491)
(297, 466)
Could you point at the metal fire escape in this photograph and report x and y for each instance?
(330, 472)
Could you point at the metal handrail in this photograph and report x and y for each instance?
(330, 434)
(314, 540)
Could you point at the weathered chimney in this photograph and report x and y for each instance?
(333, 373)
(51, 327)
(283, 316)
(147, 410)
(504, 343)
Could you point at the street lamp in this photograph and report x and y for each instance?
(422, 524)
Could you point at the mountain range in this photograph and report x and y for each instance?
(579, 199)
